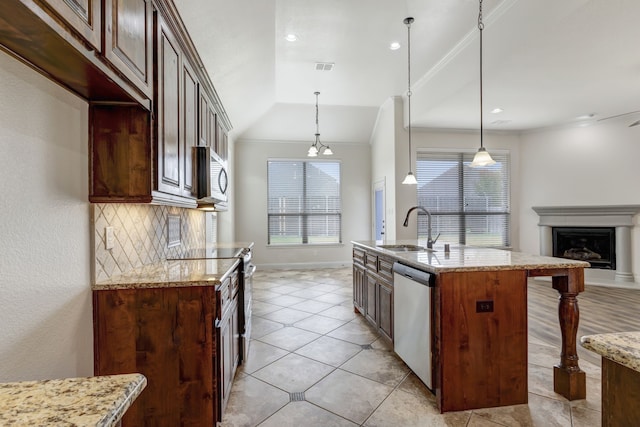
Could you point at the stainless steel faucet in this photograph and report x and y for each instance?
(430, 240)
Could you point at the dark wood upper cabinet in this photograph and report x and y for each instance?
(190, 124)
(150, 97)
(205, 135)
(83, 16)
(128, 41)
(168, 59)
(62, 40)
(221, 141)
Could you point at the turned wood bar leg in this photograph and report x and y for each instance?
(568, 379)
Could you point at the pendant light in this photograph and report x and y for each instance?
(317, 145)
(410, 178)
(482, 157)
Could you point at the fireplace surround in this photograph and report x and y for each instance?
(618, 217)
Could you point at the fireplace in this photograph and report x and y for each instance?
(596, 245)
(619, 218)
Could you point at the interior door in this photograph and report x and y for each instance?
(378, 211)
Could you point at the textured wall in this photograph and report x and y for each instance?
(45, 266)
(141, 235)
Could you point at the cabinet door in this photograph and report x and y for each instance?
(189, 125)
(221, 141)
(358, 288)
(81, 15)
(229, 353)
(385, 309)
(128, 41)
(371, 300)
(236, 334)
(204, 138)
(168, 111)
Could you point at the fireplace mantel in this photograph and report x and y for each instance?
(619, 216)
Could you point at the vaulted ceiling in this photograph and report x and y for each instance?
(546, 62)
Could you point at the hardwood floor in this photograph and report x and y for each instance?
(602, 310)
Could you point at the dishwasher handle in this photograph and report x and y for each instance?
(414, 274)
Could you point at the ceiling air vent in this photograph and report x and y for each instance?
(324, 66)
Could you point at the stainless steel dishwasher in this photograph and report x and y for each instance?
(412, 319)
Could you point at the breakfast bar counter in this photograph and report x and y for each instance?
(79, 402)
(479, 307)
(620, 376)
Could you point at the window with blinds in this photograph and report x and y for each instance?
(468, 205)
(304, 205)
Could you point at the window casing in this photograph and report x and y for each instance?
(469, 206)
(304, 204)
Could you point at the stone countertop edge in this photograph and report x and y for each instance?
(469, 258)
(620, 347)
(172, 274)
(99, 401)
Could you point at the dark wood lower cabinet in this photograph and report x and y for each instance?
(371, 300)
(385, 309)
(228, 344)
(168, 335)
(620, 395)
(373, 290)
(185, 340)
(359, 280)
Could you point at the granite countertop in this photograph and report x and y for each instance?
(73, 402)
(469, 258)
(620, 347)
(168, 274)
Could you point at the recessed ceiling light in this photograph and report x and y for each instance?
(291, 38)
(394, 46)
(497, 110)
(586, 116)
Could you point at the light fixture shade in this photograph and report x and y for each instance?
(313, 151)
(482, 158)
(410, 179)
(327, 151)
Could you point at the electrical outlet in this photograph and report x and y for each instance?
(109, 238)
(484, 306)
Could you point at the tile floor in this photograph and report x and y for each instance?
(314, 362)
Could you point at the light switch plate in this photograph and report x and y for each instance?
(109, 238)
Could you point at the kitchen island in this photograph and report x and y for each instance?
(479, 317)
(92, 401)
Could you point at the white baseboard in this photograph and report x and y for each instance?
(304, 265)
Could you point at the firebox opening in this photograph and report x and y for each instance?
(595, 245)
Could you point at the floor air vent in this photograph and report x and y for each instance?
(296, 397)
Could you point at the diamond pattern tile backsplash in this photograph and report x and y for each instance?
(142, 235)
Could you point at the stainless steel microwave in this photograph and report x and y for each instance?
(211, 180)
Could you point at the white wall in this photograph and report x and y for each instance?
(250, 195)
(595, 165)
(390, 159)
(45, 276)
(383, 160)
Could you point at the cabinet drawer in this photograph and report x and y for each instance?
(385, 268)
(359, 255)
(371, 261)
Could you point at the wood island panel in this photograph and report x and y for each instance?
(483, 355)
